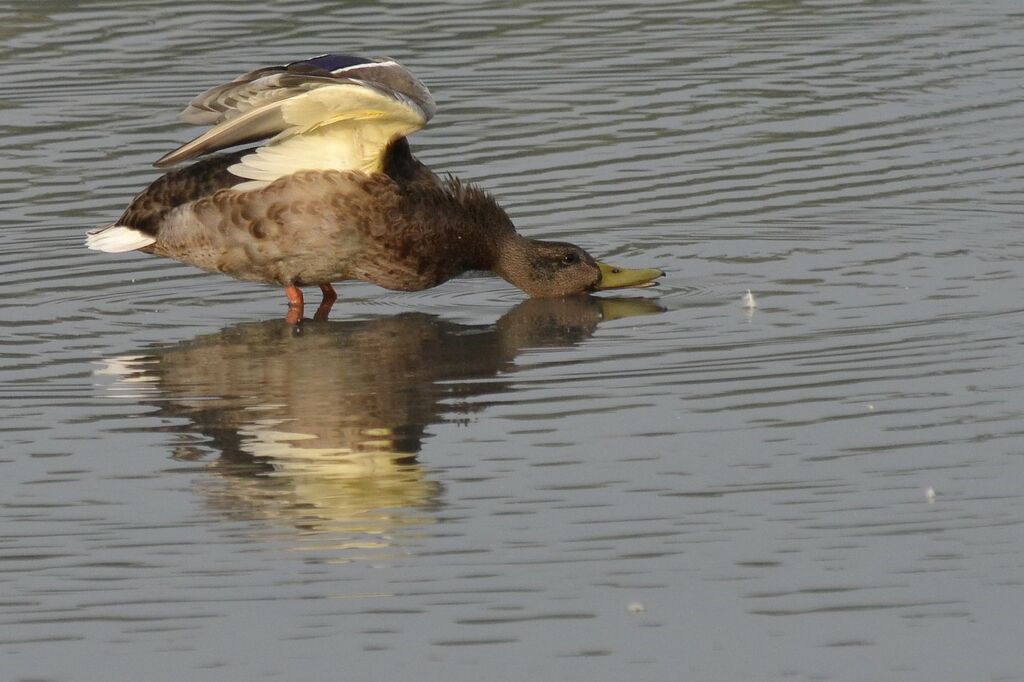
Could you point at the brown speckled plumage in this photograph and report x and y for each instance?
(202, 178)
(408, 232)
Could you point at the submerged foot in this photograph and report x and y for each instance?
(295, 304)
(324, 309)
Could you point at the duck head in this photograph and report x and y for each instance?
(551, 269)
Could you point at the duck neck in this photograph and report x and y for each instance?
(485, 234)
(512, 259)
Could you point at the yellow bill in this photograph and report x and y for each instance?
(621, 278)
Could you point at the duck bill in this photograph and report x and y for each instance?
(621, 278)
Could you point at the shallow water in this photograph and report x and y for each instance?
(460, 483)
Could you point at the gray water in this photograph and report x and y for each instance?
(459, 484)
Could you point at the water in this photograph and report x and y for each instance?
(458, 483)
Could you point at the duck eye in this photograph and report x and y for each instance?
(570, 259)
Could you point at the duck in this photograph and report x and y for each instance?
(306, 177)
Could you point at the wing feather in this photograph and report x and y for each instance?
(314, 119)
(340, 127)
(256, 124)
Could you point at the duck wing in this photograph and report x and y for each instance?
(332, 112)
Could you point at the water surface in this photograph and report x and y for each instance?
(459, 483)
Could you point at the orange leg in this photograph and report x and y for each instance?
(324, 309)
(294, 295)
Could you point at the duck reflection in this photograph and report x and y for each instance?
(318, 425)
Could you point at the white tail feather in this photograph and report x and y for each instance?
(117, 239)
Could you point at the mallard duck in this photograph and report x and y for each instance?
(334, 193)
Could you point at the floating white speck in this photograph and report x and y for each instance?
(748, 300)
(871, 408)
(929, 494)
(635, 607)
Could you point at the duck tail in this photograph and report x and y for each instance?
(116, 238)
